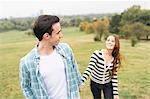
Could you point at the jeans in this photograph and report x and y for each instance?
(106, 88)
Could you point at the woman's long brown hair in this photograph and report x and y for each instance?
(116, 54)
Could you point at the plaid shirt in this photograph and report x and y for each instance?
(32, 82)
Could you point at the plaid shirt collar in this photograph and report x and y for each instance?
(58, 49)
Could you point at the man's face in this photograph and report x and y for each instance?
(56, 34)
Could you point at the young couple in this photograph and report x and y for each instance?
(49, 70)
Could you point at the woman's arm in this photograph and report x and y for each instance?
(115, 84)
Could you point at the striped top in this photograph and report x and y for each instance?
(100, 72)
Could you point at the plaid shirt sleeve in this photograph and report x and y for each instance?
(79, 77)
(25, 80)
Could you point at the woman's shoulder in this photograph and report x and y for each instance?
(98, 51)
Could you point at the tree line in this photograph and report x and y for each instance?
(23, 24)
(133, 23)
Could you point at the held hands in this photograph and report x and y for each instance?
(116, 97)
(81, 87)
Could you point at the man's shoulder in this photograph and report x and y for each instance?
(64, 49)
(63, 46)
(29, 56)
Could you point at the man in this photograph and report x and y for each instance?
(49, 71)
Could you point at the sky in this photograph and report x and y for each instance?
(27, 8)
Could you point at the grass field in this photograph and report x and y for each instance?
(134, 77)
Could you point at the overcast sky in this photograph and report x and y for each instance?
(23, 8)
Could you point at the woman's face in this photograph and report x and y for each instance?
(110, 42)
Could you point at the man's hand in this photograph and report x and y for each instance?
(116, 97)
(81, 87)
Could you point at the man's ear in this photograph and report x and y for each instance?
(46, 36)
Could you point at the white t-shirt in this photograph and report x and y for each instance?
(53, 71)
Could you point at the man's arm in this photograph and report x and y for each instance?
(25, 81)
(78, 74)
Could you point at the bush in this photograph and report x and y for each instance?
(29, 32)
(96, 38)
(134, 41)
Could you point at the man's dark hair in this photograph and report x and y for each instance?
(44, 25)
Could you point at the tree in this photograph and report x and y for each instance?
(135, 31)
(147, 32)
(83, 26)
(89, 28)
(101, 27)
(6, 25)
(115, 24)
(144, 17)
(130, 14)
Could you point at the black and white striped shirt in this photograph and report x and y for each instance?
(100, 72)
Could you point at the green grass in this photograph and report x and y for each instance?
(134, 76)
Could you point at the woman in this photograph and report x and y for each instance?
(103, 68)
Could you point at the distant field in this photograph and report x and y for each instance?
(134, 77)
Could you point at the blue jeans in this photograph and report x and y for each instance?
(106, 88)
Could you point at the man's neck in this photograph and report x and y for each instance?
(45, 48)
